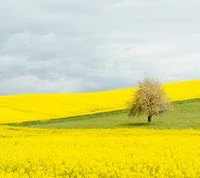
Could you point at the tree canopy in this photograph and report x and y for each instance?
(149, 98)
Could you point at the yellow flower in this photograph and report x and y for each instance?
(137, 153)
(21, 108)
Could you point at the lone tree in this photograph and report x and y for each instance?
(149, 99)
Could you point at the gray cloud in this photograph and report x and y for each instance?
(75, 45)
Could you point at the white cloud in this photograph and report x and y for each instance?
(86, 45)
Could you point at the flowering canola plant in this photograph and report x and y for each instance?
(32, 107)
(138, 153)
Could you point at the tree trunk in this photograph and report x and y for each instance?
(149, 118)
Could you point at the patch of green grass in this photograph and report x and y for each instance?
(185, 114)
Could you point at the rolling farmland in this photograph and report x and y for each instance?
(103, 143)
(23, 108)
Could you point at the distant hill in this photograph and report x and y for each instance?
(33, 107)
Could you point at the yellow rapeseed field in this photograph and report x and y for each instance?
(21, 108)
(94, 153)
(123, 153)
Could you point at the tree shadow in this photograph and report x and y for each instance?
(140, 124)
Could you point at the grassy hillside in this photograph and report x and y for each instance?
(186, 114)
(23, 108)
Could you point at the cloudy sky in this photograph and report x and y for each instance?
(53, 46)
